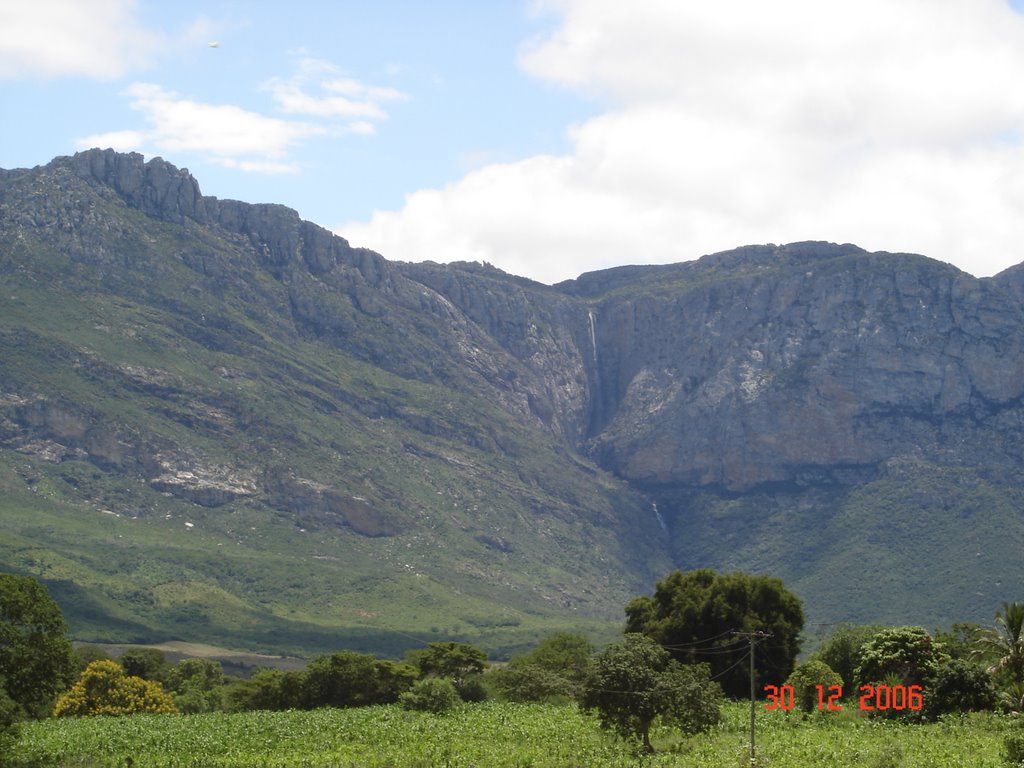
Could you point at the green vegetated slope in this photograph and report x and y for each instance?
(921, 544)
(184, 457)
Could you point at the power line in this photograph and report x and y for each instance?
(680, 646)
(728, 669)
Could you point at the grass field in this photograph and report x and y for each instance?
(495, 735)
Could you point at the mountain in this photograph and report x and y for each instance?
(221, 423)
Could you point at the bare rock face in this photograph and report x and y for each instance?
(802, 364)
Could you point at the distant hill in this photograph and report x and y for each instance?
(220, 423)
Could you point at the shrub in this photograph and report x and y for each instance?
(805, 681)
(432, 694)
(1013, 747)
(842, 650)
(9, 716)
(471, 689)
(960, 687)
(530, 682)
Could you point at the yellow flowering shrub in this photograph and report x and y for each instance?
(105, 689)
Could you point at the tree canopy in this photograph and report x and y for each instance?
(636, 681)
(805, 681)
(447, 659)
(36, 658)
(556, 668)
(461, 663)
(841, 650)
(147, 663)
(695, 615)
(104, 689)
(902, 655)
(1002, 646)
(351, 679)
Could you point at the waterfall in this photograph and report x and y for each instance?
(661, 520)
(593, 335)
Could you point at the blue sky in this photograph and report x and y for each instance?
(460, 99)
(557, 136)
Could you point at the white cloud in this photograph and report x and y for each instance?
(122, 141)
(895, 125)
(225, 134)
(232, 137)
(317, 89)
(52, 38)
(257, 166)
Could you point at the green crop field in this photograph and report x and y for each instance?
(496, 735)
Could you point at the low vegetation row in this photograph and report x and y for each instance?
(686, 653)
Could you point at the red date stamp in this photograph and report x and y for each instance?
(872, 697)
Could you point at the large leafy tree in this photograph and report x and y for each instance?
(147, 663)
(197, 685)
(556, 668)
(461, 663)
(104, 689)
(1002, 646)
(636, 681)
(960, 686)
(350, 679)
(696, 616)
(902, 656)
(451, 660)
(36, 658)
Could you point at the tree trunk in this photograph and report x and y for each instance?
(646, 733)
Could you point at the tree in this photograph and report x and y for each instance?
(960, 686)
(1011, 698)
(86, 655)
(461, 663)
(958, 640)
(695, 616)
(36, 658)
(636, 681)
(105, 689)
(1002, 646)
(901, 656)
(567, 653)
(10, 713)
(350, 679)
(147, 663)
(267, 689)
(452, 660)
(197, 685)
(432, 694)
(556, 668)
(530, 682)
(805, 681)
(841, 651)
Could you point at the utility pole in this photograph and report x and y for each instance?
(753, 637)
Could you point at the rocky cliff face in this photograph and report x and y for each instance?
(806, 377)
(805, 364)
